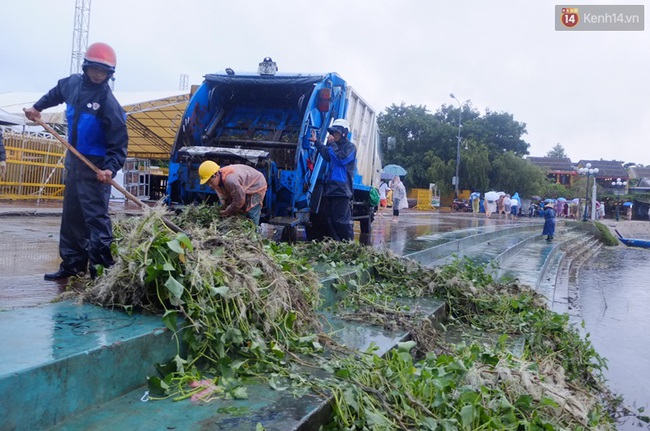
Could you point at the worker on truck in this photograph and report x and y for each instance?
(341, 155)
(97, 129)
(240, 188)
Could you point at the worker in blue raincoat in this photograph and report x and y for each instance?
(97, 129)
(341, 155)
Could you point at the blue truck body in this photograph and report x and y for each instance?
(265, 121)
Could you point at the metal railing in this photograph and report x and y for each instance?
(34, 167)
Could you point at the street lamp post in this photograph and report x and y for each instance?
(588, 171)
(618, 185)
(460, 117)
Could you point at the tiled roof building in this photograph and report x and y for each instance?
(558, 169)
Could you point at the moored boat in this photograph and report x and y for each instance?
(633, 242)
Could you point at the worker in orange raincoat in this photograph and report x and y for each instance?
(241, 188)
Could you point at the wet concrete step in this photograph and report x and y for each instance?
(458, 242)
(493, 250)
(539, 264)
(59, 359)
(274, 410)
(575, 254)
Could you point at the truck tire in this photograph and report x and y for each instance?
(365, 224)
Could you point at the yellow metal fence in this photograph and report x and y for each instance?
(34, 167)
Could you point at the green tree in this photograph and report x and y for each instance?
(475, 166)
(439, 172)
(557, 152)
(511, 173)
(427, 144)
(419, 138)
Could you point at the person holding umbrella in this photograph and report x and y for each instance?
(399, 195)
(549, 222)
(490, 203)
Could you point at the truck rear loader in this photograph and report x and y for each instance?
(265, 120)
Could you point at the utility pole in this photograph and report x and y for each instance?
(80, 34)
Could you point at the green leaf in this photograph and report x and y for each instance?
(157, 386)
(180, 364)
(276, 385)
(175, 246)
(221, 290)
(343, 373)
(375, 420)
(174, 287)
(467, 415)
(524, 402)
(234, 336)
(185, 241)
(549, 402)
(406, 346)
(170, 319)
(259, 427)
(240, 393)
(429, 423)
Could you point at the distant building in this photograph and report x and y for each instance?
(558, 170)
(639, 176)
(608, 171)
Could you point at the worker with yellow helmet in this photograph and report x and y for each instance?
(241, 188)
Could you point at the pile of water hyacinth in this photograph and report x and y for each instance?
(251, 306)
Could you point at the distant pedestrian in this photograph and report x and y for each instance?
(475, 197)
(3, 157)
(507, 205)
(383, 197)
(500, 205)
(490, 207)
(515, 203)
(399, 195)
(549, 222)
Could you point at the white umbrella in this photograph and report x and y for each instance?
(492, 196)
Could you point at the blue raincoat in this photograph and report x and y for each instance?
(549, 222)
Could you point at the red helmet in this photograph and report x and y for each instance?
(100, 55)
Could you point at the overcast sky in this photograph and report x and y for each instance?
(588, 91)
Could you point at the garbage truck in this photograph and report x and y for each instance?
(265, 120)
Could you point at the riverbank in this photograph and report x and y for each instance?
(629, 228)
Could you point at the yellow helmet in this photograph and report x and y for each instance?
(207, 170)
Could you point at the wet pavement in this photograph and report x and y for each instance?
(30, 234)
(30, 249)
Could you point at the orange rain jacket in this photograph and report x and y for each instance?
(241, 187)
